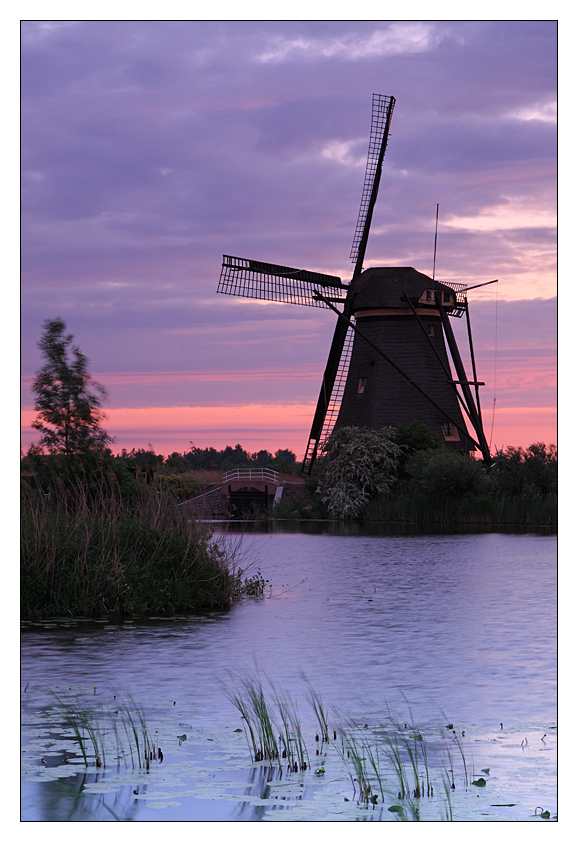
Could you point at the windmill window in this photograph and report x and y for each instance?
(450, 432)
(429, 296)
(361, 387)
(430, 330)
(447, 297)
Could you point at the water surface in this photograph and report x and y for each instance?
(461, 626)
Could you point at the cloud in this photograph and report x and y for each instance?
(340, 151)
(546, 112)
(391, 40)
(510, 213)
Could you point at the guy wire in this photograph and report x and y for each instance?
(495, 368)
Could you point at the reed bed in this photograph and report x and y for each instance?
(264, 720)
(393, 763)
(102, 731)
(87, 551)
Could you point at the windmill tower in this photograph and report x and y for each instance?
(387, 364)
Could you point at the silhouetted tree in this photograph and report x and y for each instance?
(67, 398)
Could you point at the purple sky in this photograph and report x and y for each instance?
(152, 148)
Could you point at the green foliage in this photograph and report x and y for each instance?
(445, 473)
(531, 472)
(360, 464)
(209, 459)
(143, 460)
(91, 552)
(67, 399)
(249, 585)
(176, 463)
(180, 486)
(413, 437)
(445, 488)
(285, 462)
(416, 436)
(301, 502)
(61, 475)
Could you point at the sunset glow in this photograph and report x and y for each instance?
(142, 166)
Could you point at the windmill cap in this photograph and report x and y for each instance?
(385, 286)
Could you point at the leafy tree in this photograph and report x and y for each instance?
(360, 463)
(286, 456)
(145, 460)
(235, 457)
(67, 398)
(261, 458)
(203, 460)
(177, 463)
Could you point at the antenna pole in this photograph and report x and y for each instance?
(435, 247)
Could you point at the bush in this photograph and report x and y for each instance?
(444, 473)
(532, 472)
(360, 463)
(413, 437)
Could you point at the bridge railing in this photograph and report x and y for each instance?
(262, 474)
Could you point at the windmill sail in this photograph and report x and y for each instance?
(316, 442)
(270, 282)
(382, 113)
(331, 392)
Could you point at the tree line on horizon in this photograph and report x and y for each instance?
(73, 442)
(68, 401)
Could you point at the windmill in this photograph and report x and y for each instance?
(388, 363)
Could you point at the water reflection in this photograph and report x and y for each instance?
(64, 801)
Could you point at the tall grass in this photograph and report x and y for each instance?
(319, 710)
(261, 725)
(251, 703)
(476, 510)
(87, 551)
(391, 762)
(97, 730)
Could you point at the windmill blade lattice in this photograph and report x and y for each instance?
(315, 445)
(270, 282)
(382, 112)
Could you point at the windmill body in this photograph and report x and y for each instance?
(376, 395)
(387, 364)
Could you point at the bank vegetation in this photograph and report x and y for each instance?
(97, 542)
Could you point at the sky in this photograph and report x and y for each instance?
(152, 148)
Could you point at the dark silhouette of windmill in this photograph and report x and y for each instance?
(388, 363)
